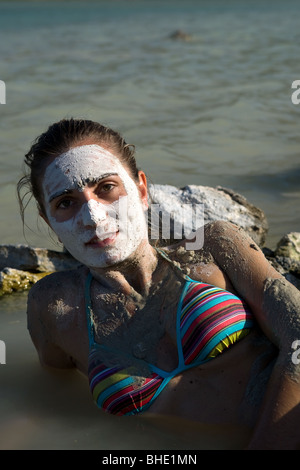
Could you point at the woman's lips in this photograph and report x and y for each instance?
(95, 242)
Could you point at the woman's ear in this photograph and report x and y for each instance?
(142, 187)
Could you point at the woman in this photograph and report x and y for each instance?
(150, 338)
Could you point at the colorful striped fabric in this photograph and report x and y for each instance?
(115, 391)
(208, 316)
(209, 320)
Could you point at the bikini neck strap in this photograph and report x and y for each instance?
(174, 264)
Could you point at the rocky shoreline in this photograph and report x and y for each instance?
(22, 265)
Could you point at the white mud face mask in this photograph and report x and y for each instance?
(122, 222)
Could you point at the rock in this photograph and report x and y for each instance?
(288, 264)
(180, 35)
(12, 280)
(286, 257)
(27, 258)
(217, 203)
(22, 265)
(285, 267)
(289, 246)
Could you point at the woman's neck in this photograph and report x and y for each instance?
(132, 276)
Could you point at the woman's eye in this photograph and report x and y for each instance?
(106, 187)
(64, 204)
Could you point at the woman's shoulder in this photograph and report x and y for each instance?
(66, 277)
(226, 253)
(64, 285)
(203, 241)
(53, 306)
(212, 237)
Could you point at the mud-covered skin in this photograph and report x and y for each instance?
(249, 385)
(282, 306)
(115, 306)
(89, 197)
(139, 321)
(227, 388)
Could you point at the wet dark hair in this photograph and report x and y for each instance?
(58, 138)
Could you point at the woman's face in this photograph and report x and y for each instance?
(94, 206)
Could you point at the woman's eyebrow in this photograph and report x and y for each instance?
(97, 179)
(58, 194)
(89, 180)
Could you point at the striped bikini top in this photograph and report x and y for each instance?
(208, 321)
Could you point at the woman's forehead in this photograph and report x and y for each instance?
(86, 158)
(83, 162)
(80, 166)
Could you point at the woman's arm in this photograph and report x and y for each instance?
(276, 306)
(279, 423)
(265, 290)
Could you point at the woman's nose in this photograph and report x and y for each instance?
(93, 212)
